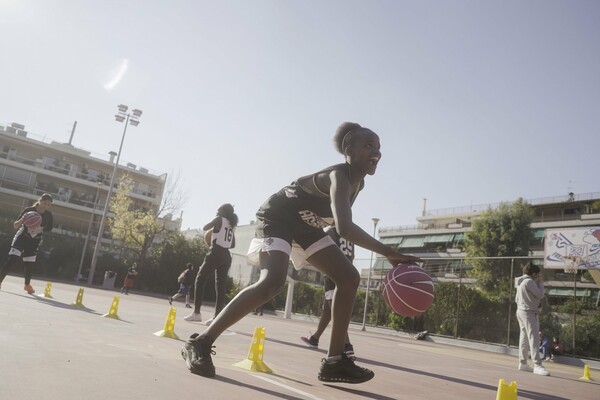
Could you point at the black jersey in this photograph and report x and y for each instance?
(304, 199)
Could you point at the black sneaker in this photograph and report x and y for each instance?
(170, 300)
(344, 371)
(349, 349)
(311, 341)
(197, 355)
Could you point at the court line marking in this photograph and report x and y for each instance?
(298, 391)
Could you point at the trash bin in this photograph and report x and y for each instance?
(109, 280)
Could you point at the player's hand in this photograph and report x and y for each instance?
(398, 258)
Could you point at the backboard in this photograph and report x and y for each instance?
(565, 244)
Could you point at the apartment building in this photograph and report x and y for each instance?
(77, 180)
(439, 234)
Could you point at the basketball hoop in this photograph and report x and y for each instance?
(572, 263)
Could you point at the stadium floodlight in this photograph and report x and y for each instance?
(130, 119)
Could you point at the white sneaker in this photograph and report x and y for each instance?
(525, 367)
(208, 322)
(194, 317)
(540, 370)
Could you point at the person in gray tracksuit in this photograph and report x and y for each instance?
(530, 291)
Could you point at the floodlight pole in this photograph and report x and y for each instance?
(89, 232)
(121, 116)
(375, 222)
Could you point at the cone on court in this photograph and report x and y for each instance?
(79, 299)
(505, 391)
(114, 308)
(586, 373)
(168, 330)
(48, 290)
(254, 361)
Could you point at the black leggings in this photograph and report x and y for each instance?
(217, 262)
(12, 260)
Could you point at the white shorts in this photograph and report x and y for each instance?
(297, 254)
(329, 294)
(17, 252)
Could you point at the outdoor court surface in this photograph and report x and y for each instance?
(53, 350)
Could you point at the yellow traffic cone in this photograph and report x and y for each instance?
(48, 290)
(254, 361)
(114, 307)
(586, 373)
(79, 299)
(168, 330)
(506, 392)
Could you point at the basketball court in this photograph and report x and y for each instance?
(54, 350)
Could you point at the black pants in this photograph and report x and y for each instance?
(217, 262)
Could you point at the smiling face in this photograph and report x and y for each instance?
(364, 152)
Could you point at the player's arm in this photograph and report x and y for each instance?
(47, 221)
(215, 225)
(19, 222)
(339, 192)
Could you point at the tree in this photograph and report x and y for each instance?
(502, 232)
(138, 228)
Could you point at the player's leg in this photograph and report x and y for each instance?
(272, 277)
(324, 321)
(197, 351)
(204, 274)
(332, 262)
(221, 275)
(12, 259)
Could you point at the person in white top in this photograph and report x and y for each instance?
(217, 262)
(530, 291)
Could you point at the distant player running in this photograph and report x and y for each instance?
(26, 241)
(297, 215)
(217, 261)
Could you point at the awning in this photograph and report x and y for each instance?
(391, 240)
(439, 238)
(566, 292)
(412, 242)
(538, 233)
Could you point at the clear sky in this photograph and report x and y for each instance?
(474, 101)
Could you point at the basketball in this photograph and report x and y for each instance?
(208, 237)
(408, 290)
(32, 219)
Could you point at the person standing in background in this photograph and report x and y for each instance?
(530, 291)
(129, 281)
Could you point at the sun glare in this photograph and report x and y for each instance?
(118, 75)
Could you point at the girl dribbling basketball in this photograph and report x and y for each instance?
(27, 240)
(296, 215)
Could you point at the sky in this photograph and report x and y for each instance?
(475, 102)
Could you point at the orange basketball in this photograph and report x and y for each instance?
(32, 219)
(208, 237)
(408, 290)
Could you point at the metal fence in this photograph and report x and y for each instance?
(464, 309)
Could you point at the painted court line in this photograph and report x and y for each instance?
(298, 391)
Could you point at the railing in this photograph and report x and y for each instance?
(461, 310)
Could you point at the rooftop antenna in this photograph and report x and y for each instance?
(72, 132)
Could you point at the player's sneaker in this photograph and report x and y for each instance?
(170, 301)
(349, 349)
(197, 355)
(194, 317)
(188, 306)
(29, 289)
(344, 371)
(311, 341)
(525, 368)
(540, 370)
